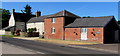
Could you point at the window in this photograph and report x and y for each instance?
(84, 30)
(53, 20)
(53, 30)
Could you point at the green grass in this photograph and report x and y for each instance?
(9, 36)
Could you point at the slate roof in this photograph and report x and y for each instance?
(37, 19)
(64, 13)
(59, 14)
(7, 27)
(22, 17)
(90, 22)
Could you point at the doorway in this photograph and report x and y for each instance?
(84, 34)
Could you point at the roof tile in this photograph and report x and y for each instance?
(59, 14)
(91, 22)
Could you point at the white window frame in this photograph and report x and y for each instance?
(84, 30)
(53, 20)
(53, 30)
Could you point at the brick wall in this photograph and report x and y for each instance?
(72, 34)
(58, 25)
(93, 34)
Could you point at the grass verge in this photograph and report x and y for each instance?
(66, 42)
(9, 36)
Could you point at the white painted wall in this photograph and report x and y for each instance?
(12, 20)
(2, 32)
(38, 25)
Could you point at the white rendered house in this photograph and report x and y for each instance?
(18, 21)
(37, 22)
(38, 25)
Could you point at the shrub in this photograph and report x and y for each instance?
(32, 30)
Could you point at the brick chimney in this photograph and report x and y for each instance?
(13, 10)
(38, 13)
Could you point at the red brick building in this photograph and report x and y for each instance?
(95, 29)
(68, 26)
(54, 24)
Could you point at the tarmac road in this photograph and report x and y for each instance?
(48, 48)
(12, 49)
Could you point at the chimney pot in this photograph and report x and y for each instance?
(38, 13)
(13, 10)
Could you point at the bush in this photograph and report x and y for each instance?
(32, 30)
(17, 32)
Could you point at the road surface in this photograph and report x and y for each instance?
(12, 49)
(48, 48)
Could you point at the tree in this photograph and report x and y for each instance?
(118, 21)
(0, 18)
(87, 17)
(5, 17)
(27, 9)
(0, 11)
(4, 14)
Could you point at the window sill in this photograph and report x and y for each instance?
(53, 33)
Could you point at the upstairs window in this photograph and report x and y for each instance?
(53, 30)
(53, 20)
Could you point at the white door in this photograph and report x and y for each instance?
(84, 34)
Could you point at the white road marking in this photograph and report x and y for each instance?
(40, 53)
